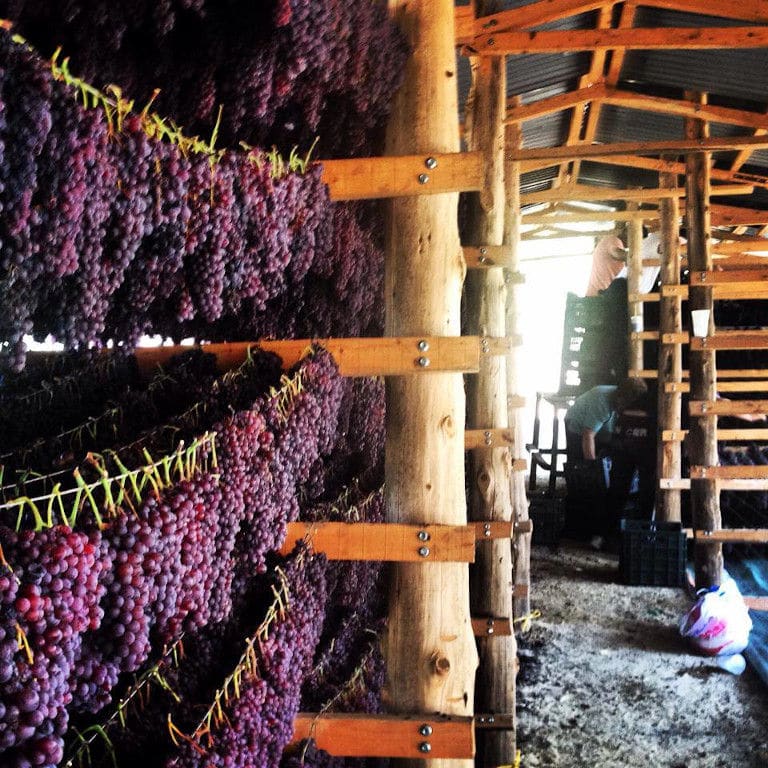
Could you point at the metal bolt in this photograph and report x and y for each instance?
(491, 41)
(423, 345)
(423, 362)
(703, 277)
(431, 163)
(706, 533)
(487, 530)
(489, 631)
(483, 250)
(424, 551)
(425, 730)
(491, 719)
(425, 746)
(423, 535)
(703, 407)
(488, 438)
(480, 719)
(423, 178)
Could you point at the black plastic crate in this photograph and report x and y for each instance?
(548, 516)
(652, 554)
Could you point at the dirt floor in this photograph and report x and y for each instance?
(607, 682)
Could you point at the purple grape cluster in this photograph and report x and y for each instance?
(284, 70)
(259, 720)
(55, 586)
(114, 234)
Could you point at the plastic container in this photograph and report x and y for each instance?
(652, 554)
(548, 516)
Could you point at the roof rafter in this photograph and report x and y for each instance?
(589, 193)
(635, 38)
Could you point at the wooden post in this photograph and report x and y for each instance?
(522, 543)
(634, 275)
(429, 644)
(708, 558)
(490, 468)
(670, 368)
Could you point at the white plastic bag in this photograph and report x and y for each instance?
(718, 624)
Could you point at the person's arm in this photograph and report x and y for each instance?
(588, 444)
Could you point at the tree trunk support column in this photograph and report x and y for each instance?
(429, 644)
(708, 558)
(522, 543)
(490, 468)
(634, 275)
(670, 365)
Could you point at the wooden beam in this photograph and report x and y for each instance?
(711, 472)
(723, 484)
(536, 13)
(683, 108)
(360, 735)
(671, 146)
(740, 10)
(553, 219)
(723, 386)
(671, 166)
(485, 256)
(589, 193)
(736, 216)
(669, 435)
(492, 627)
(732, 535)
(552, 104)
(637, 38)
(369, 178)
(386, 542)
(734, 277)
(737, 339)
(354, 356)
(727, 407)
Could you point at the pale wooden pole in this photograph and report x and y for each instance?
(708, 558)
(634, 274)
(670, 366)
(512, 219)
(429, 644)
(490, 468)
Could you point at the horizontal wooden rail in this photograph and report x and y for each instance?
(678, 435)
(732, 340)
(594, 193)
(630, 39)
(666, 338)
(724, 373)
(516, 401)
(495, 722)
(722, 291)
(397, 736)
(483, 627)
(369, 178)
(734, 484)
(491, 438)
(398, 542)
(722, 386)
(745, 277)
(483, 256)
(739, 472)
(633, 298)
(727, 407)
(355, 356)
(733, 536)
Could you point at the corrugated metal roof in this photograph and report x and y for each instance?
(532, 72)
(536, 181)
(549, 131)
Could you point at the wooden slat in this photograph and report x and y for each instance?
(536, 13)
(759, 603)
(554, 219)
(486, 627)
(520, 591)
(734, 291)
(723, 386)
(637, 38)
(734, 484)
(666, 338)
(489, 256)
(672, 146)
(733, 535)
(535, 109)
(386, 542)
(741, 10)
(683, 107)
(732, 340)
(515, 401)
(464, 24)
(588, 193)
(726, 407)
(354, 356)
(369, 178)
(647, 297)
(495, 722)
(729, 473)
(396, 736)
(672, 436)
(735, 216)
(756, 278)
